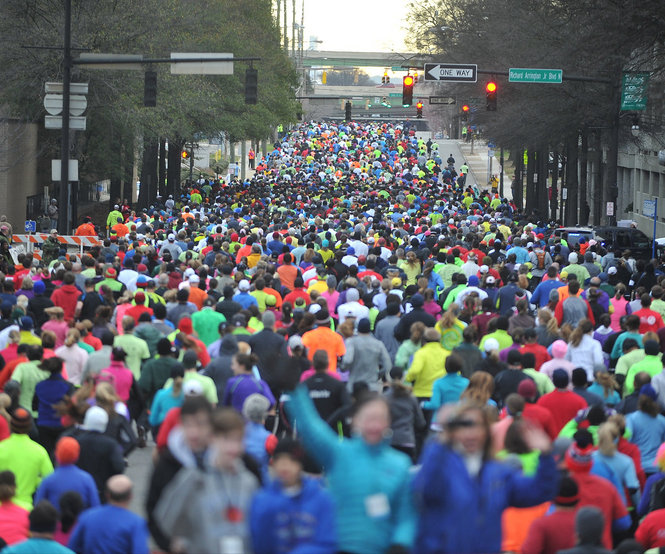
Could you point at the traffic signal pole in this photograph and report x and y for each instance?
(64, 195)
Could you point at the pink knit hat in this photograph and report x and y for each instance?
(559, 349)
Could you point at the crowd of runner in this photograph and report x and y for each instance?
(355, 350)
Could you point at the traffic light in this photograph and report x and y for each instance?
(185, 154)
(386, 79)
(490, 89)
(251, 85)
(415, 78)
(465, 112)
(150, 89)
(347, 111)
(407, 91)
(419, 110)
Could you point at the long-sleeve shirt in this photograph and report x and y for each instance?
(363, 359)
(370, 483)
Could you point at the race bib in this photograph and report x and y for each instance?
(377, 505)
(231, 545)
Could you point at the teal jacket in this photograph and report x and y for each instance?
(369, 483)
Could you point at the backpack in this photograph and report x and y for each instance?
(541, 259)
(657, 495)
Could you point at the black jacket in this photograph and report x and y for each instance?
(101, 457)
(403, 328)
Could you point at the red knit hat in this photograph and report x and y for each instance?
(67, 451)
(578, 456)
(185, 325)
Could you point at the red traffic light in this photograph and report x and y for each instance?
(419, 105)
(465, 108)
(491, 87)
(408, 81)
(185, 154)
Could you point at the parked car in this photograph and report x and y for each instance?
(625, 238)
(614, 238)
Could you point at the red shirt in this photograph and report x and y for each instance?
(540, 353)
(298, 293)
(629, 449)
(541, 416)
(599, 492)
(651, 532)
(135, 312)
(171, 421)
(563, 406)
(650, 320)
(66, 297)
(551, 533)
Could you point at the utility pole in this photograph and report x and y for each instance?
(293, 29)
(64, 196)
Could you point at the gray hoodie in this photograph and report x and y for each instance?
(208, 510)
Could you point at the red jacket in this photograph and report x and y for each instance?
(539, 352)
(66, 297)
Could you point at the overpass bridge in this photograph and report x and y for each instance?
(334, 58)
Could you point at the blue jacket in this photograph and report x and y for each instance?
(364, 479)
(300, 524)
(446, 390)
(68, 478)
(460, 514)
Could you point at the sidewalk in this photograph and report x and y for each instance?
(478, 166)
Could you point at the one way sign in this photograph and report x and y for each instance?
(451, 72)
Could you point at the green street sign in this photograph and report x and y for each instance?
(395, 95)
(634, 88)
(526, 75)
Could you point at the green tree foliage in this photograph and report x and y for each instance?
(590, 38)
(188, 107)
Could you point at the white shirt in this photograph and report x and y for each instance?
(128, 278)
(352, 309)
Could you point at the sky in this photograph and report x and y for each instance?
(356, 25)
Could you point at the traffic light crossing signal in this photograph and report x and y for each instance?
(347, 111)
(185, 154)
(490, 90)
(385, 80)
(150, 89)
(419, 110)
(407, 91)
(465, 112)
(251, 85)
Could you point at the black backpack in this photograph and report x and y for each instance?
(657, 496)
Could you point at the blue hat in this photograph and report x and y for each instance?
(648, 390)
(473, 281)
(39, 287)
(350, 251)
(26, 323)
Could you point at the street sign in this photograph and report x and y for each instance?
(201, 68)
(94, 61)
(451, 72)
(634, 88)
(449, 100)
(649, 208)
(55, 122)
(30, 226)
(395, 94)
(564, 194)
(74, 88)
(73, 170)
(77, 104)
(610, 209)
(527, 75)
